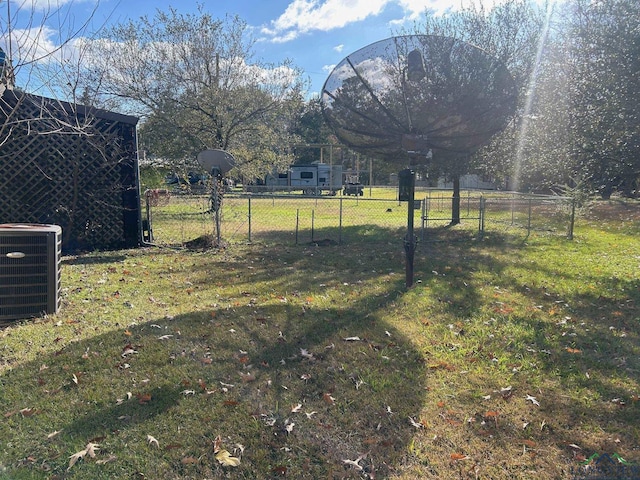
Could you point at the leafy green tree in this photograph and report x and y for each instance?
(606, 88)
(193, 81)
(510, 32)
(311, 129)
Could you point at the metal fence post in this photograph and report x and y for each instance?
(249, 219)
(572, 219)
(340, 225)
(313, 223)
(423, 218)
(529, 218)
(297, 224)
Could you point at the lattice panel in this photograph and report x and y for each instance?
(72, 167)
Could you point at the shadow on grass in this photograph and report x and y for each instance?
(92, 259)
(301, 388)
(574, 352)
(297, 363)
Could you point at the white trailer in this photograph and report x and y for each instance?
(312, 179)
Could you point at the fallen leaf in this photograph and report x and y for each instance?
(91, 449)
(217, 444)
(415, 424)
(296, 408)
(305, 353)
(128, 351)
(226, 460)
(355, 463)
(352, 339)
(189, 460)
(532, 400)
(442, 365)
(279, 470)
(153, 441)
(328, 398)
(458, 456)
(75, 457)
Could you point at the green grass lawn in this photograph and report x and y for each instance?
(508, 358)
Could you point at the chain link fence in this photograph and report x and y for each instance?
(181, 219)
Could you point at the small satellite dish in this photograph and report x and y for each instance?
(217, 160)
(409, 95)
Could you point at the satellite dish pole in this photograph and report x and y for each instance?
(216, 163)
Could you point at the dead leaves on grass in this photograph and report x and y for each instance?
(90, 449)
(223, 456)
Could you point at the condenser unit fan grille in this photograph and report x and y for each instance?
(29, 270)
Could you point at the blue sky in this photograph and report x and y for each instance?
(314, 34)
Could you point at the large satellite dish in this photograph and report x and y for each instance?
(417, 93)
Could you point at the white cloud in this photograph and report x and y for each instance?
(33, 44)
(339, 48)
(302, 16)
(50, 5)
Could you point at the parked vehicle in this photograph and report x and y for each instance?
(312, 179)
(353, 186)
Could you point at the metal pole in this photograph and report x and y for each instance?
(370, 175)
(423, 217)
(340, 224)
(313, 223)
(572, 221)
(529, 219)
(409, 243)
(249, 218)
(406, 193)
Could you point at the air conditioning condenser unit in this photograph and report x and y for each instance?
(30, 260)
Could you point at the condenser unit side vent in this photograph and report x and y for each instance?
(30, 263)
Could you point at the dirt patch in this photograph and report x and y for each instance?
(205, 242)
